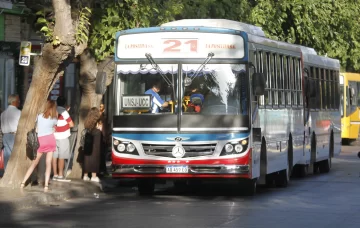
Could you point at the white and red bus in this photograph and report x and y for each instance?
(266, 109)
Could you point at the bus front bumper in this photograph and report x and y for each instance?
(176, 170)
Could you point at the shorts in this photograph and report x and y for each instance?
(47, 143)
(62, 149)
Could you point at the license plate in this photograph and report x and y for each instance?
(177, 169)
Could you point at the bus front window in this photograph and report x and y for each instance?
(139, 80)
(218, 89)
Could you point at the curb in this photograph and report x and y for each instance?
(34, 196)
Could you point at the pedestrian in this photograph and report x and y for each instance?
(46, 122)
(93, 148)
(62, 134)
(104, 132)
(9, 123)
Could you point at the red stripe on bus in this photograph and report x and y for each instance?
(220, 161)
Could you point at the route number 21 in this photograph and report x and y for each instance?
(182, 45)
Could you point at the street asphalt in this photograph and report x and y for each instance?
(322, 200)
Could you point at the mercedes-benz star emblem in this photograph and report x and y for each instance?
(178, 151)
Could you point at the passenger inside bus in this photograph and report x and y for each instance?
(157, 102)
(194, 99)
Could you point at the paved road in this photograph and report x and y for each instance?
(323, 200)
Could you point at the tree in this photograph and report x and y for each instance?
(237, 10)
(330, 27)
(59, 50)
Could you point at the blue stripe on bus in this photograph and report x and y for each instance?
(185, 137)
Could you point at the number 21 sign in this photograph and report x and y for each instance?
(180, 45)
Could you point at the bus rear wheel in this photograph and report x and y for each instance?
(325, 166)
(283, 178)
(146, 186)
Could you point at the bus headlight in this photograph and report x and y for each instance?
(124, 147)
(121, 147)
(229, 148)
(130, 147)
(235, 147)
(238, 148)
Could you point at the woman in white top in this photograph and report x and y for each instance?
(46, 123)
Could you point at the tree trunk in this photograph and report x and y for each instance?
(89, 99)
(47, 71)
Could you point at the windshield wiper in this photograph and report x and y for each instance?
(189, 80)
(156, 67)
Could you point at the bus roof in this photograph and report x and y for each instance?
(321, 61)
(256, 34)
(219, 23)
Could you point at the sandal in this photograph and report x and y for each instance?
(46, 188)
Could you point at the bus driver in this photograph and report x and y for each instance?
(157, 102)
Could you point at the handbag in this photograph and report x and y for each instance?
(88, 143)
(32, 144)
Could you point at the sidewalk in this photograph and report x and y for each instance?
(32, 196)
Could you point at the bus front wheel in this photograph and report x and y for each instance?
(249, 187)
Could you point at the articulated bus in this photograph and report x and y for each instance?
(350, 106)
(241, 106)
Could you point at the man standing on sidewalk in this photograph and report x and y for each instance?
(9, 123)
(62, 134)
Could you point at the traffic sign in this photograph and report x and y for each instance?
(25, 52)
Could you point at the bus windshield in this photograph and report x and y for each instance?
(217, 89)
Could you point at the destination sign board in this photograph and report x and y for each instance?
(142, 102)
(180, 45)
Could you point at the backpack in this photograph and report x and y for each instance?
(32, 144)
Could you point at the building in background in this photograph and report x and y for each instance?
(16, 25)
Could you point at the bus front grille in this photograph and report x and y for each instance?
(190, 150)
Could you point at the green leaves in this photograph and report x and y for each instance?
(46, 27)
(82, 30)
(328, 26)
(118, 15)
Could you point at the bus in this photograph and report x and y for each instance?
(350, 103)
(240, 106)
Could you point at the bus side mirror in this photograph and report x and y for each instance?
(100, 87)
(258, 84)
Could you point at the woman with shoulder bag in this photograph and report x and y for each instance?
(46, 122)
(93, 145)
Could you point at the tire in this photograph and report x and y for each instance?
(269, 182)
(303, 170)
(316, 167)
(249, 187)
(146, 186)
(300, 171)
(325, 166)
(283, 178)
